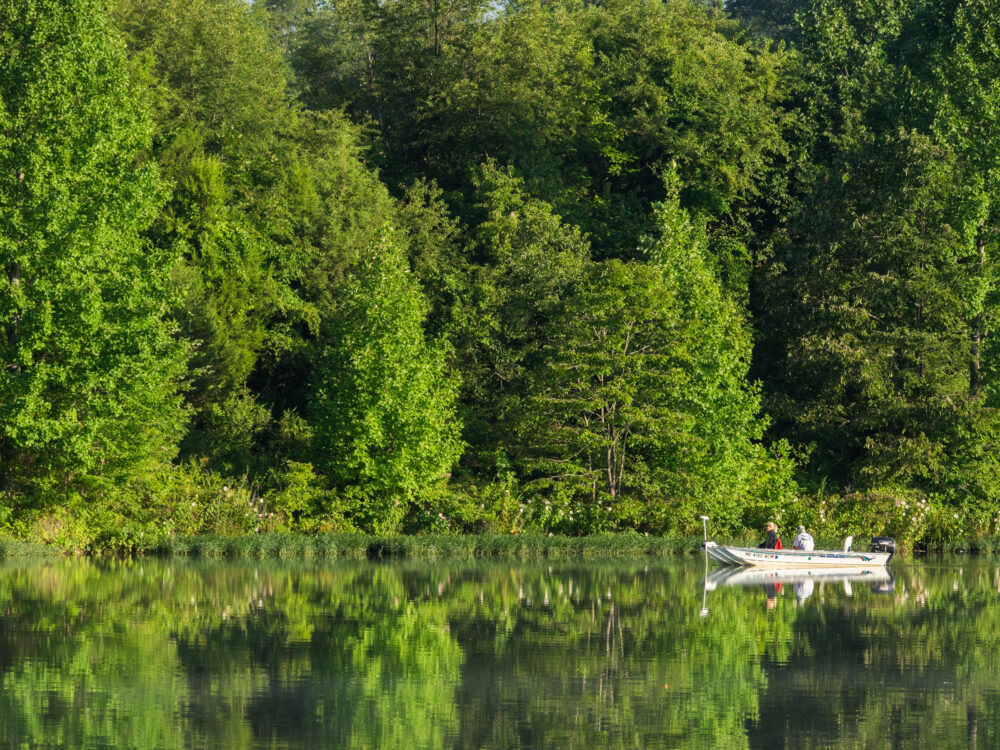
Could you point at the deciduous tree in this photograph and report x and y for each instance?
(89, 366)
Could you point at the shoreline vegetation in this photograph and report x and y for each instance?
(286, 270)
(522, 547)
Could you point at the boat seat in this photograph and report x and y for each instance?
(847, 543)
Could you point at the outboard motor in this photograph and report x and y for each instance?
(883, 544)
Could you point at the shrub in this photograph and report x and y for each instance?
(300, 502)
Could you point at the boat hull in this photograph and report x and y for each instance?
(794, 558)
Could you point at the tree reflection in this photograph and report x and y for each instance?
(183, 654)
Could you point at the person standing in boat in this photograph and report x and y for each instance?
(773, 541)
(803, 540)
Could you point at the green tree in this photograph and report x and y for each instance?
(90, 369)
(956, 42)
(437, 257)
(877, 341)
(886, 284)
(774, 19)
(382, 400)
(217, 84)
(268, 206)
(642, 400)
(590, 103)
(525, 261)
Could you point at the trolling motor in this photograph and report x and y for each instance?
(883, 544)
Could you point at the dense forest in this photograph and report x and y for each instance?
(451, 265)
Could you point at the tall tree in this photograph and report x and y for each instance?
(886, 283)
(268, 206)
(954, 42)
(217, 84)
(526, 261)
(382, 401)
(591, 103)
(90, 369)
(641, 401)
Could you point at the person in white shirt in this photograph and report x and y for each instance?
(803, 540)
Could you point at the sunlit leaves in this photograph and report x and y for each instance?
(382, 400)
(88, 387)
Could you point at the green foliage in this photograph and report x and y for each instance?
(526, 260)
(591, 103)
(90, 370)
(601, 242)
(428, 546)
(884, 293)
(433, 238)
(268, 206)
(301, 502)
(382, 401)
(898, 513)
(230, 433)
(219, 81)
(182, 500)
(637, 401)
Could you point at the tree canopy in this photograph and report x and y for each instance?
(90, 378)
(555, 265)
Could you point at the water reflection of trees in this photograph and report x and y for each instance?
(918, 669)
(162, 654)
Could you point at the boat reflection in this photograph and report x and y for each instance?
(802, 580)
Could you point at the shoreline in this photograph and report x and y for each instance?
(356, 546)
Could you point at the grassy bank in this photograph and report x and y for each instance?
(476, 546)
(983, 545)
(429, 546)
(356, 546)
(15, 548)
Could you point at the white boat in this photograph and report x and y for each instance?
(792, 558)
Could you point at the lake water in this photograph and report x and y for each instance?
(187, 654)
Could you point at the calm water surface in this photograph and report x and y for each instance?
(168, 654)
